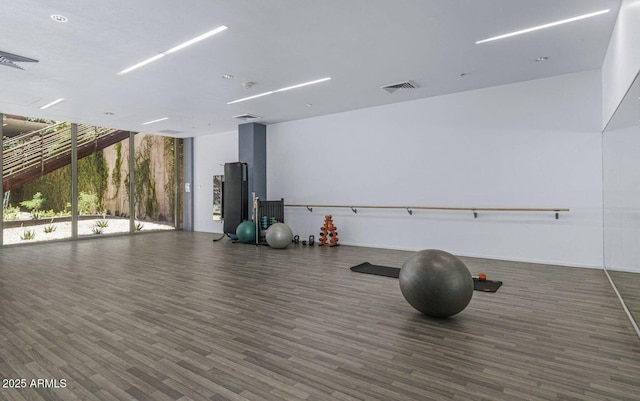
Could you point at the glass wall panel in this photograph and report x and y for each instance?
(154, 183)
(103, 200)
(36, 180)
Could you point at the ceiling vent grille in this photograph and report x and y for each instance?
(10, 60)
(170, 132)
(246, 117)
(400, 85)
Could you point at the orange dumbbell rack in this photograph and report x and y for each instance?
(328, 233)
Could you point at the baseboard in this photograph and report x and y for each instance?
(622, 269)
(486, 256)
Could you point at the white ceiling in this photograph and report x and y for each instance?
(360, 44)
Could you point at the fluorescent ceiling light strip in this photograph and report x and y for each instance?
(46, 106)
(140, 64)
(549, 25)
(196, 39)
(175, 49)
(155, 121)
(280, 90)
(251, 97)
(301, 85)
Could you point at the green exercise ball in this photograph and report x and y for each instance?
(246, 232)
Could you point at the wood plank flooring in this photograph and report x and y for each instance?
(175, 316)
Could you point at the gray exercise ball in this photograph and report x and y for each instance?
(279, 236)
(436, 283)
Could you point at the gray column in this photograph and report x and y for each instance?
(187, 176)
(252, 149)
(74, 181)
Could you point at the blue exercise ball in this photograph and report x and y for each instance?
(436, 283)
(246, 232)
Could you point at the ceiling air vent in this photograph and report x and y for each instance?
(400, 85)
(170, 132)
(10, 60)
(246, 117)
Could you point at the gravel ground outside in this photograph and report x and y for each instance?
(63, 230)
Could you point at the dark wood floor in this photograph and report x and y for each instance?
(175, 316)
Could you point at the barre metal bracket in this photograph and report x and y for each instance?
(475, 213)
(310, 209)
(409, 211)
(354, 210)
(557, 213)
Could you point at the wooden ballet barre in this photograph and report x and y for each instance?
(410, 209)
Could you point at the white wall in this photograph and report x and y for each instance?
(531, 144)
(211, 152)
(622, 61)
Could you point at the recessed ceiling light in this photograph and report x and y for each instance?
(174, 49)
(227, 76)
(541, 59)
(109, 113)
(464, 74)
(280, 90)
(46, 106)
(59, 18)
(309, 104)
(155, 121)
(549, 25)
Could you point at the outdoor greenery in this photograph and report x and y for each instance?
(49, 229)
(28, 235)
(88, 204)
(10, 213)
(146, 201)
(34, 205)
(116, 174)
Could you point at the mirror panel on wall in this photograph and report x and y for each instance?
(217, 197)
(621, 196)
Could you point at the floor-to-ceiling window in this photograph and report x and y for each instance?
(37, 181)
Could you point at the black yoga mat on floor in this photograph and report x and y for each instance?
(486, 286)
(366, 267)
